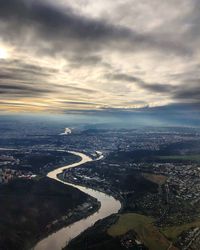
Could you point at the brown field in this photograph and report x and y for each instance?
(158, 179)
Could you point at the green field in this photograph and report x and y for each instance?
(145, 229)
(195, 158)
(173, 232)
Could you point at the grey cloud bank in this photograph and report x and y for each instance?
(81, 55)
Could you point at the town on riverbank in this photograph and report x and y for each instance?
(154, 174)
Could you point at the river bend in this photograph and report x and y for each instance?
(109, 206)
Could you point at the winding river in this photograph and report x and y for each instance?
(109, 205)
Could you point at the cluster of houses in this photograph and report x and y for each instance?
(6, 175)
(130, 241)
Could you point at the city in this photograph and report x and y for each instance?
(155, 174)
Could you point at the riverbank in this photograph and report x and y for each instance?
(109, 206)
(89, 207)
(96, 187)
(28, 206)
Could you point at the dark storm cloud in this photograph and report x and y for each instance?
(21, 71)
(17, 75)
(28, 80)
(22, 90)
(153, 87)
(28, 67)
(189, 92)
(81, 47)
(193, 94)
(22, 79)
(67, 30)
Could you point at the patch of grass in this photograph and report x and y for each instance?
(173, 232)
(158, 179)
(145, 229)
(195, 158)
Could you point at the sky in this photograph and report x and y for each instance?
(83, 55)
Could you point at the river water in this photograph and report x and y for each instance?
(109, 206)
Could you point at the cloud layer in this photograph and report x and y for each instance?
(82, 55)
